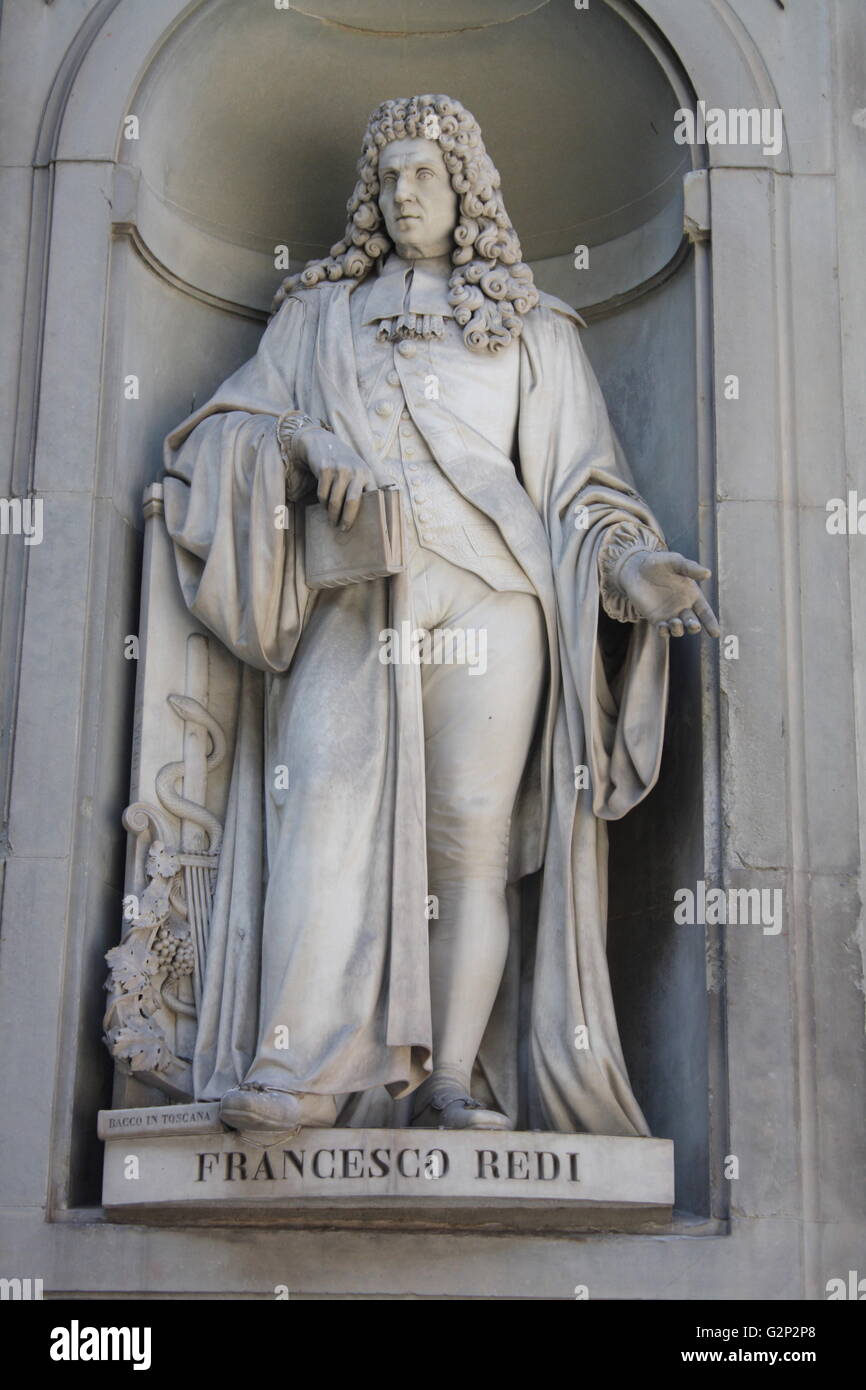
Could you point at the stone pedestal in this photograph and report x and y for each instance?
(171, 1163)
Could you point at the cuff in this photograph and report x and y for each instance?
(299, 479)
(620, 542)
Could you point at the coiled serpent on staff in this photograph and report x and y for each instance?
(189, 709)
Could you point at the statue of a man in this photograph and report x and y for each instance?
(365, 942)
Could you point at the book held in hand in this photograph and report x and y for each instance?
(372, 549)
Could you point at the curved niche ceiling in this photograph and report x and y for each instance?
(251, 118)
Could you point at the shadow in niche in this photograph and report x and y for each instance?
(214, 213)
(657, 968)
(645, 361)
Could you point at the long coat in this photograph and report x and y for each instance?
(354, 807)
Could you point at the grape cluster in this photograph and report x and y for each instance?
(174, 953)
(183, 960)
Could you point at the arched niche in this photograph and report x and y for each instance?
(270, 104)
(249, 120)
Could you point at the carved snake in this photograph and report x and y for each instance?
(189, 709)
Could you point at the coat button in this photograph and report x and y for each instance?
(383, 408)
(406, 349)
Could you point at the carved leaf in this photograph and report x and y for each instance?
(140, 1046)
(127, 974)
(161, 862)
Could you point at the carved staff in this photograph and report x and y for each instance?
(201, 832)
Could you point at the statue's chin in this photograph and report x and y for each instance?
(421, 251)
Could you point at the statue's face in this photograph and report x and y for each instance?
(416, 198)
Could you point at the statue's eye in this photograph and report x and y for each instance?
(425, 174)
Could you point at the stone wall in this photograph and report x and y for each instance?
(750, 1044)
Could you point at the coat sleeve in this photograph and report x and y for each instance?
(239, 560)
(579, 480)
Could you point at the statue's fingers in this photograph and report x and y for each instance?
(664, 630)
(692, 570)
(690, 621)
(326, 478)
(704, 612)
(338, 492)
(352, 504)
(676, 627)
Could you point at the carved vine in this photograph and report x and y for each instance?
(165, 933)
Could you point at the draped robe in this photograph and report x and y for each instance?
(242, 576)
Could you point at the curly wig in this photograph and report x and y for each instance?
(491, 288)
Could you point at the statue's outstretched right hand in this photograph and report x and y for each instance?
(663, 587)
(342, 474)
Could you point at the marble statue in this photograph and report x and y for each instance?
(363, 960)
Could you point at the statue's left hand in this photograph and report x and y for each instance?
(663, 587)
